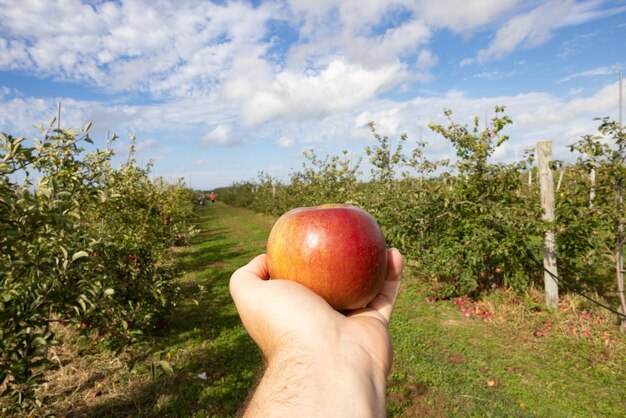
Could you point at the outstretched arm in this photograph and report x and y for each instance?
(320, 362)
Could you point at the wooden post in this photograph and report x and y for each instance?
(546, 187)
(558, 184)
(592, 189)
(619, 251)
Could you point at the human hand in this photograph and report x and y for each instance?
(296, 329)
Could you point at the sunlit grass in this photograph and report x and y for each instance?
(523, 362)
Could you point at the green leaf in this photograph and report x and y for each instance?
(39, 341)
(79, 254)
(165, 365)
(109, 292)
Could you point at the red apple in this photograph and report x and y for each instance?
(338, 251)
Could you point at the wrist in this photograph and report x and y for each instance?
(330, 379)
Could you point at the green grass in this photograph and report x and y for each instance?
(445, 364)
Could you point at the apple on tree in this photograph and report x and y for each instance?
(337, 251)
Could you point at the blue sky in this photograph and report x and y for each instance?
(218, 91)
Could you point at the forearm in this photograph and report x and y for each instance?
(313, 383)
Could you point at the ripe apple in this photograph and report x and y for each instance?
(338, 251)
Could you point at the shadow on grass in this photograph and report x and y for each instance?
(230, 372)
(204, 336)
(211, 248)
(221, 351)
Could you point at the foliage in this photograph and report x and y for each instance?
(488, 221)
(591, 214)
(468, 224)
(80, 243)
(333, 179)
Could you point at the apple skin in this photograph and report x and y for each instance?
(337, 251)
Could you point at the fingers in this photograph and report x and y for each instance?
(395, 264)
(247, 281)
(384, 302)
(248, 276)
(258, 267)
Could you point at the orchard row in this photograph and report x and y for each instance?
(469, 225)
(81, 243)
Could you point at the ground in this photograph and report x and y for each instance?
(522, 361)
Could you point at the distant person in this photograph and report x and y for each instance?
(202, 200)
(212, 197)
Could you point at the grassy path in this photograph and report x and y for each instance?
(214, 362)
(445, 364)
(209, 337)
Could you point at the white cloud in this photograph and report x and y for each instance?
(221, 135)
(462, 15)
(493, 75)
(535, 27)
(388, 121)
(529, 29)
(13, 54)
(319, 18)
(426, 59)
(368, 34)
(383, 49)
(599, 71)
(146, 144)
(296, 95)
(165, 48)
(577, 45)
(4, 91)
(285, 142)
(585, 11)
(536, 116)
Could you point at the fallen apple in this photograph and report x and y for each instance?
(337, 251)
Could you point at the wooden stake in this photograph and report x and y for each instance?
(558, 185)
(546, 187)
(592, 188)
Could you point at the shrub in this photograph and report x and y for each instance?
(86, 244)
